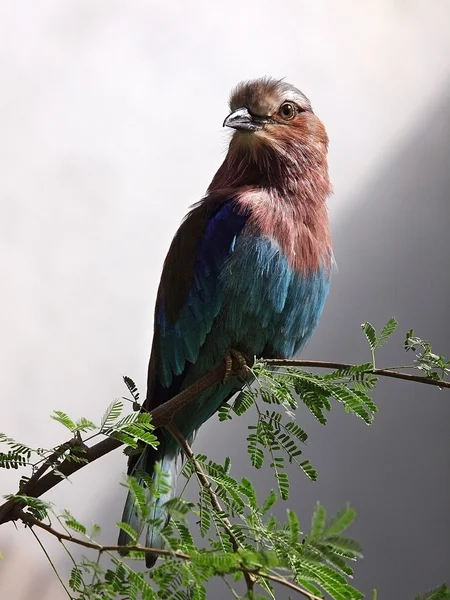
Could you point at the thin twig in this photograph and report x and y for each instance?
(203, 480)
(51, 563)
(47, 464)
(291, 585)
(322, 364)
(31, 521)
(230, 587)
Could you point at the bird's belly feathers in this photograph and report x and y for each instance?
(268, 309)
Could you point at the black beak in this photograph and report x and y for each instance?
(242, 120)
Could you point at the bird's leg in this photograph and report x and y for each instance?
(242, 364)
(241, 359)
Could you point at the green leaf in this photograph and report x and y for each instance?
(224, 412)
(159, 483)
(84, 425)
(95, 530)
(294, 526)
(440, 593)
(178, 508)
(76, 579)
(139, 496)
(408, 344)
(133, 534)
(283, 484)
(386, 332)
(138, 584)
(131, 444)
(344, 546)
(310, 587)
(297, 431)
(12, 460)
(111, 415)
(337, 561)
(339, 522)
(246, 488)
(36, 506)
(333, 583)
(314, 393)
(352, 401)
(318, 522)
(227, 465)
(131, 387)
(269, 502)
(17, 457)
(309, 470)
(255, 452)
(223, 562)
(72, 523)
(185, 535)
(244, 401)
(371, 334)
(64, 419)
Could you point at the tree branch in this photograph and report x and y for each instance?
(322, 364)
(49, 462)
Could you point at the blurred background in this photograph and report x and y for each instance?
(110, 127)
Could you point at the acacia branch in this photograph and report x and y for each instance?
(203, 480)
(49, 462)
(322, 364)
(29, 520)
(163, 414)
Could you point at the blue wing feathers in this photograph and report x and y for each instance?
(180, 341)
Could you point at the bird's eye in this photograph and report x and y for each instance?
(287, 111)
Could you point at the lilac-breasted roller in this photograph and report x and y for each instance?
(247, 270)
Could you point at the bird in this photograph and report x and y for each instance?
(247, 271)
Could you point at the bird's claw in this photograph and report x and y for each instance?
(241, 365)
(228, 367)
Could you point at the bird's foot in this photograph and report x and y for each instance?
(228, 367)
(240, 366)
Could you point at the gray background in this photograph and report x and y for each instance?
(110, 126)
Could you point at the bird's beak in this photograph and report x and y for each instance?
(242, 120)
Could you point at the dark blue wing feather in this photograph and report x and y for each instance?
(180, 334)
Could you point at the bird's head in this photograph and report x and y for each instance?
(277, 135)
(272, 111)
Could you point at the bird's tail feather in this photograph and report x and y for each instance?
(164, 477)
